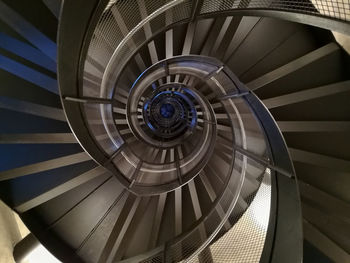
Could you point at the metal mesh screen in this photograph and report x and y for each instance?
(188, 245)
(155, 259)
(245, 241)
(339, 9)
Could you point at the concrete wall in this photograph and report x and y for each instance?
(12, 230)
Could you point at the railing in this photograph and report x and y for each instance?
(335, 9)
(329, 14)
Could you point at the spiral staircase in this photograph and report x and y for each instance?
(168, 131)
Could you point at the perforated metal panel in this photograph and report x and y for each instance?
(245, 241)
(339, 9)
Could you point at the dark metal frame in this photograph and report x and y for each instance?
(284, 242)
(73, 42)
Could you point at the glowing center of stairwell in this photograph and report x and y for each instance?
(167, 110)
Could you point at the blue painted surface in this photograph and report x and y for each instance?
(26, 187)
(17, 122)
(27, 52)
(167, 110)
(17, 155)
(29, 74)
(28, 31)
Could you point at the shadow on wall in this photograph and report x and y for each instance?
(313, 255)
(12, 231)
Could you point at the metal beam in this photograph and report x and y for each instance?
(233, 95)
(163, 156)
(337, 229)
(54, 6)
(213, 73)
(148, 33)
(88, 100)
(314, 126)
(61, 189)
(246, 26)
(206, 253)
(120, 198)
(212, 195)
(324, 243)
(26, 51)
(136, 174)
(123, 229)
(326, 202)
(262, 161)
(293, 66)
(113, 235)
(177, 162)
(45, 166)
(37, 78)
(28, 31)
(124, 29)
(143, 12)
(32, 108)
(137, 217)
(319, 160)
(169, 43)
(207, 185)
(212, 35)
(37, 138)
(194, 198)
(121, 121)
(121, 99)
(120, 110)
(94, 190)
(178, 211)
(308, 94)
(95, 64)
(217, 177)
(221, 34)
(196, 8)
(157, 221)
(189, 38)
(120, 22)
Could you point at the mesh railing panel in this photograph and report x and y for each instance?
(188, 245)
(244, 242)
(155, 259)
(339, 9)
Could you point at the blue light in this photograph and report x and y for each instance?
(167, 110)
